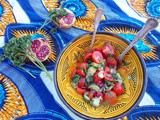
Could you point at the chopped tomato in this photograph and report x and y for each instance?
(87, 57)
(108, 77)
(95, 73)
(102, 98)
(98, 49)
(97, 57)
(82, 65)
(108, 49)
(118, 88)
(110, 97)
(80, 90)
(111, 62)
(107, 69)
(91, 93)
(81, 72)
(81, 82)
(107, 74)
(73, 73)
(96, 78)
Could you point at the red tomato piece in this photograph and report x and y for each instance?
(81, 82)
(102, 98)
(73, 73)
(98, 49)
(108, 49)
(81, 72)
(91, 93)
(118, 88)
(96, 78)
(97, 57)
(82, 65)
(108, 77)
(87, 57)
(110, 97)
(111, 62)
(107, 74)
(80, 90)
(107, 69)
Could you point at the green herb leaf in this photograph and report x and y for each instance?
(89, 80)
(54, 15)
(2, 58)
(16, 49)
(114, 75)
(53, 30)
(110, 55)
(56, 19)
(108, 83)
(76, 78)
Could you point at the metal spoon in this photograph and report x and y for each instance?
(97, 18)
(150, 24)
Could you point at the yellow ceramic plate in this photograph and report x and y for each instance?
(132, 70)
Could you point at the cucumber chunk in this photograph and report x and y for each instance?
(86, 98)
(95, 101)
(94, 87)
(91, 71)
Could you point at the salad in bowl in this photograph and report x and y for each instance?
(96, 77)
(92, 84)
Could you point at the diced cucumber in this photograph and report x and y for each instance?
(91, 71)
(96, 65)
(103, 62)
(74, 85)
(119, 78)
(86, 98)
(94, 87)
(95, 101)
(103, 89)
(109, 86)
(112, 70)
(100, 74)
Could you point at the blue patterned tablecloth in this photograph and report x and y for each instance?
(25, 98)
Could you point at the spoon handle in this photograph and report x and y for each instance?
(97, 19)
(150, 24)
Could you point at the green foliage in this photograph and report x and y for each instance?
(17, 50)
(76, 78)
(54, 15)
(89, 80)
